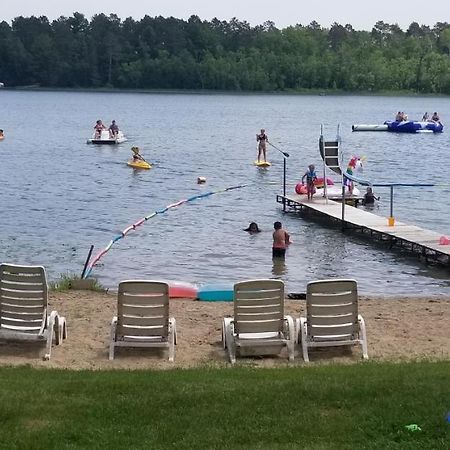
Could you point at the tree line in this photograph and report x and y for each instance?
(170, 53)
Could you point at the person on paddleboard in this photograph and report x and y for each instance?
(262, 140)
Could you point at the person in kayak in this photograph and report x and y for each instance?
(113, 130)
(99, 127)
(262, 140)
(136, 156)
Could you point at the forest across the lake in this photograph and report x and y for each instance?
(171, 53)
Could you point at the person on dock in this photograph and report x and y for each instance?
(99, 127)
(253, 228)
(281, 240)
(262, 140)
(369, 197)
(113, 130)
(435, 117)
(310, 177)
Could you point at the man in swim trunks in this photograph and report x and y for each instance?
(262, 139)
(281, 240)
(113, 129)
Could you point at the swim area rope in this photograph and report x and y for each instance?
(97, 258)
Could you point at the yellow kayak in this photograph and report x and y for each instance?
(139, 164)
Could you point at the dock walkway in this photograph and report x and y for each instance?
(413, 238)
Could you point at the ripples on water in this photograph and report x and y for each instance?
(60, 195)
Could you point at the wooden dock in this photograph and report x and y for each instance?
(424, 243)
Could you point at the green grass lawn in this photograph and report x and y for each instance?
(318, 407)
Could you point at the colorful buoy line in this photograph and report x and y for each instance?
(150, 216)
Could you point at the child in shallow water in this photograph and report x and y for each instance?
(253, 228)
(369, 197)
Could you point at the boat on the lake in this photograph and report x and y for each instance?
(105, 137)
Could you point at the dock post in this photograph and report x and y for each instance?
(343, 204)
(284, 184)
(391, 219)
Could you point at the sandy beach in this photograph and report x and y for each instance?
(398, 329)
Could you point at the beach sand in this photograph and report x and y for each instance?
(398, 329)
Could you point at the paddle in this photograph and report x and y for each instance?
(285, 154)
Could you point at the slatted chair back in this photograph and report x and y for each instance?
(332, 310)
(259, 306)
(143, 310)
(23, 298)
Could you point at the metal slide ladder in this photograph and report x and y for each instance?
(330, 152)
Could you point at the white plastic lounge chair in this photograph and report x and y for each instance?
(143, 317)
(332, 317)
(23, 307)
(259, 326)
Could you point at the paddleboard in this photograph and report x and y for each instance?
(262, 163)
(139, 165)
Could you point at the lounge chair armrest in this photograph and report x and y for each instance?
(289, 324)
(52, 320)
(363, 336)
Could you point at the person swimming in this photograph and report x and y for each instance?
(253, 228)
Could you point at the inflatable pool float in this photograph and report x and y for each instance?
(411, 126)
(318, 182)
(367, 127)
(179, 289)
(220, 292)
(139, 164)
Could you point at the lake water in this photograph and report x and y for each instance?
(60, 195)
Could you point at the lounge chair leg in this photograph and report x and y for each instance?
(362, 331)
(225, 322)
(291, 333)
(57, 330)
(172, 331)
(231, 345)
(303, 330)
(112, 338)
(51, 329)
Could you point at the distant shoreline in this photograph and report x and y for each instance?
(317, 92)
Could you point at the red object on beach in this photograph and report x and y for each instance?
(444, 240)
(179, 289)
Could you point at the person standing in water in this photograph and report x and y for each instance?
(262, 140)
(281, 240)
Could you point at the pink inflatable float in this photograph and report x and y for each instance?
(179, 289)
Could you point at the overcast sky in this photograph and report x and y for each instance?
(362, 14)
